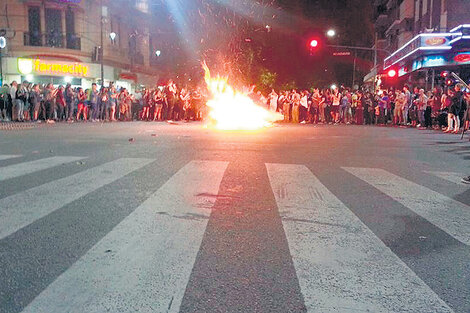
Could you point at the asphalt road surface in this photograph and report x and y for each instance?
(148, 217)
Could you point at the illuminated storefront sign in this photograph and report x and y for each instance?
(54, 68)
(441, 60)
(429, 44)
(462, 58)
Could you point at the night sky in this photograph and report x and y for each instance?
(244, 38)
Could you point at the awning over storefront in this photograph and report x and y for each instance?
(432, 49)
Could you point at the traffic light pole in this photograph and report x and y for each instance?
(355, 48)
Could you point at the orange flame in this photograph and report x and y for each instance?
(233, 110)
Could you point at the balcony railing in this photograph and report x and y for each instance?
(53, 40)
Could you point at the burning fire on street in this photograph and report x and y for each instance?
(234, 110)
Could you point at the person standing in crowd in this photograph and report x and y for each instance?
(285, 105)
(69, 97)
(159, 101)
(60, 103)
(398, 112)
(93, 99)
(103, 98)
(335, 102)
(273, 97)
(359, 112)
(344, 107)
(81, 105)
(172, 96)
(383, 104)
(315, 105)
(354, 104)
(112, 102)
(197, 100)
(185, 100)
(421, 103)
(4, 103)
(21, 97)
(303, 108)
(35, 99)
(146, 103)
(453, 120)
(13, 89)
(408, 103)
(428, 110)
(51, 102)
(295, 99)
(124, 105)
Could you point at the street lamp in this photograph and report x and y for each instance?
(112, 36)
(3, 44)
(331, 33)
(158, 53)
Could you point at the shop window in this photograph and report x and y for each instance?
(54, 28)
(33, 37)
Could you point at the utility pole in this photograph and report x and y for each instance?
(101, 50)
(3, 44)
(354, 69)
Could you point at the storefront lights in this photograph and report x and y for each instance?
(3, 42)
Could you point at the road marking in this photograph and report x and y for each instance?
(22, 209)
(8, 156)
(24, 168)
(342, 266)
(449, 176)
(451, 216)
(144, 263)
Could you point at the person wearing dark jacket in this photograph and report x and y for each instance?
(454, 110)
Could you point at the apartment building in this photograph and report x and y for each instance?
(77, 41)
(415, 37)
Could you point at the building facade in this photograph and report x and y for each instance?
(77, 41)
(416, 38)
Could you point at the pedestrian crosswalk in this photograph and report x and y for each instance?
(151, 253)
(144, 263)
(446, 213)
(8, 156)
(21, 209)
(339, 261)
(21, 169)
(453, 177)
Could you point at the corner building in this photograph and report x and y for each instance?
(421, 38)
(59, 41)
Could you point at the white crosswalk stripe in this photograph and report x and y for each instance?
(144, 263)
(24, 208)
(341, 265)
(453, 177)
(9, 156)
(446, 213)
(24, 168)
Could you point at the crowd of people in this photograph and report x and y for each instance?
(37, 103)
(440, 108)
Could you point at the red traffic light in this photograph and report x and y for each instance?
(391, 73)
(314, 43)
(450, 82)
(444, 74)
